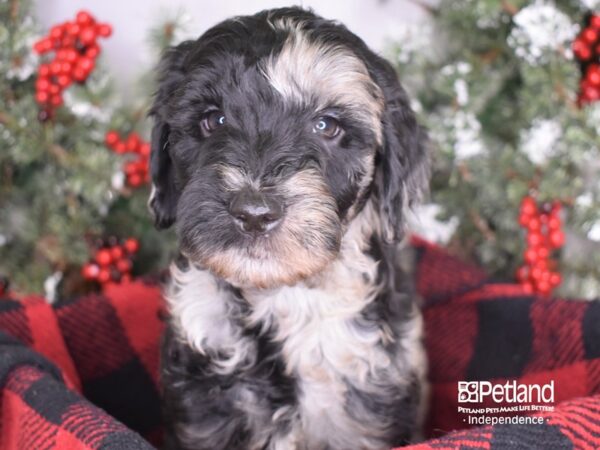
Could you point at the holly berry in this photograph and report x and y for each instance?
(120, 147)
(104, 257)
(92, 51)
(104, 275)
(554, 223)
(84, 18)
(135, 180)
(589, 35)
(136, 170)
(111, 138)
(116, 252)
(42, 97)
(104, 30)
(111, 261)
(131, 245)
(88, 35)
(557, 238)
(533, 224)
(528, 206)
(144, 150)
(132, 142)
(90, 271)
(534, 239)
(555, 279)
(543, 226)
(542, 252)
(124, 265)
(75, 51)
(531, 256)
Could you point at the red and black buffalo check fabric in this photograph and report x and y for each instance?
(84, 374)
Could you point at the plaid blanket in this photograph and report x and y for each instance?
(83, 374)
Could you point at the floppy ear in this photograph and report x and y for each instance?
(165, 193)
(402, 172)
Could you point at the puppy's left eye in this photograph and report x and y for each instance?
(326, 126)
(211, 121)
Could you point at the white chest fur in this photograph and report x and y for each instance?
(325, 344)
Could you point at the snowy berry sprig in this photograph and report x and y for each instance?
(586, 48)
(136, 170)
(75, 48)
(543, 236)
(111, 261)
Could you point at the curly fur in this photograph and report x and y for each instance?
(308, 336)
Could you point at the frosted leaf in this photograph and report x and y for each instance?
(594, 233)
(23, 70)
(541, 28)
(425, 222)
(85, 109)
(117, 181)
(463, 67)
(593, 116)
(462, 91)
(539, 141)
(584, 200)
(467, 135)
(416, 105)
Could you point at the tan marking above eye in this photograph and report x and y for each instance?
(307, 70)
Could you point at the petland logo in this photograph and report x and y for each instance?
(509, 392)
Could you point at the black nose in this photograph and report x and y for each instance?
(255, 212)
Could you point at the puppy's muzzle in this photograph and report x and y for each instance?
(256, 212)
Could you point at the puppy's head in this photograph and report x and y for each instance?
(271, 132)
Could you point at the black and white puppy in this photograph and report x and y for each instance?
(286, 154)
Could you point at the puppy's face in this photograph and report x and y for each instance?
(271, 133)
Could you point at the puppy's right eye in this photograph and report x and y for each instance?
(211, 121)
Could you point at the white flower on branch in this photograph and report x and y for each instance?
(539, 141)
(541, 28)
(467, 135)
(584, 200)
(592, 116)
(594, 233)
(117, 181)
(84, 109)
(462, 91)
(590, 4)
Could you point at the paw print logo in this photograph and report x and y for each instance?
(468, 392)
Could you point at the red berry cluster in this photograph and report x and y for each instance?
(137, 170)
(75, 52)
(111, 261)
(544, 234)
(587, 52)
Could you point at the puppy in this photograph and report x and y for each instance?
(286, 154)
